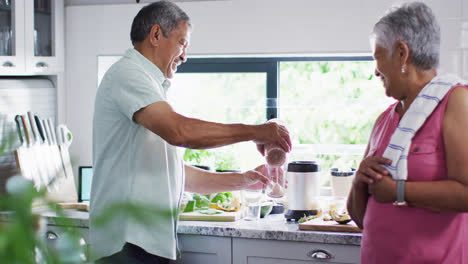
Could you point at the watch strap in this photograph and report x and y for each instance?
(400, 195)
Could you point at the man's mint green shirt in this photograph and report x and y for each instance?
(131, 163)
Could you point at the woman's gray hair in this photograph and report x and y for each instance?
(415, 24)
(164, 13)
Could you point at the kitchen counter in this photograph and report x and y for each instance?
(273, 227)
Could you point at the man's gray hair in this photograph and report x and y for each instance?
(164, 13)
(415, 24)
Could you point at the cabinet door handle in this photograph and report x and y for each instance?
(319, 254)
(51, 235)
(41, 65)
(8, 64)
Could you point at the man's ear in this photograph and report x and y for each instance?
(155, 35)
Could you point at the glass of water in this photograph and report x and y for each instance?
(252, 201)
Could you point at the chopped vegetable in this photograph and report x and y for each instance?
(219, 197)
(190, 207)
(221, 201)
(310, 217)
(201, 201)
(210, 211)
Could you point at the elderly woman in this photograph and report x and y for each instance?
(410, 193)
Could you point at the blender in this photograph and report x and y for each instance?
(303, 190)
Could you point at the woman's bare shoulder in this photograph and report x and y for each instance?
(459, 95)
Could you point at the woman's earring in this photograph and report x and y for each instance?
(403, 69)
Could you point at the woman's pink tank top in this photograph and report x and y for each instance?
(397, 235)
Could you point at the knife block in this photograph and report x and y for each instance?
(66, 192)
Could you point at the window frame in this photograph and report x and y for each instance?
(268, 65)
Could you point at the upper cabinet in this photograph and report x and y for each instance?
(31, 37)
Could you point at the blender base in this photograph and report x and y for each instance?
(295, 215)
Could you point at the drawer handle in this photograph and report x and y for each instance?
(8, 64)
(319, 254)
(51, 235)
(41, 65)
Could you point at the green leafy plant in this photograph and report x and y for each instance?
(198, 156)
(22, 238)
(226, 161)
(22, 232)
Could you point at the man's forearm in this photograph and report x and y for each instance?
(198, 134)
(201, 181)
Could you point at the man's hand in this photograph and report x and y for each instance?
(371, 170)
(274, 133)
(255, 179)
(384, 190)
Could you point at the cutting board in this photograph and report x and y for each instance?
(319, 225)
(222, 217)
(84, 206)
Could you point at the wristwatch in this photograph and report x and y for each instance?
(400, 195)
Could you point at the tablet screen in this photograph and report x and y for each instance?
(85, 178)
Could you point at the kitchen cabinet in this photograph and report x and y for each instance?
(257, 251)
(196, 249)
(31, 37)
(54, 234)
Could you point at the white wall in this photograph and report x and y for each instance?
(238, 27)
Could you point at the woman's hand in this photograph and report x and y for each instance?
(384, 190)
(371, 170)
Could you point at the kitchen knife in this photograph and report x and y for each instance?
(49, 158)
(55, 150)
(22, 158)
(38, 152)
(31, 156)
(56, 146)
(65, 140)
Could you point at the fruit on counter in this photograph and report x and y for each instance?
(227, 207)
(326, 217)
(342, 218)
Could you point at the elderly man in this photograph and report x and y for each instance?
(135, 138)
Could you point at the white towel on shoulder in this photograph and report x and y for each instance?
(426, 101)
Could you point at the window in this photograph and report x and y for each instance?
(225, 91)
(330, 104)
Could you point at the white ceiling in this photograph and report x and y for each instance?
(112, 2)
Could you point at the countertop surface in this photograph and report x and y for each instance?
(273, 227)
